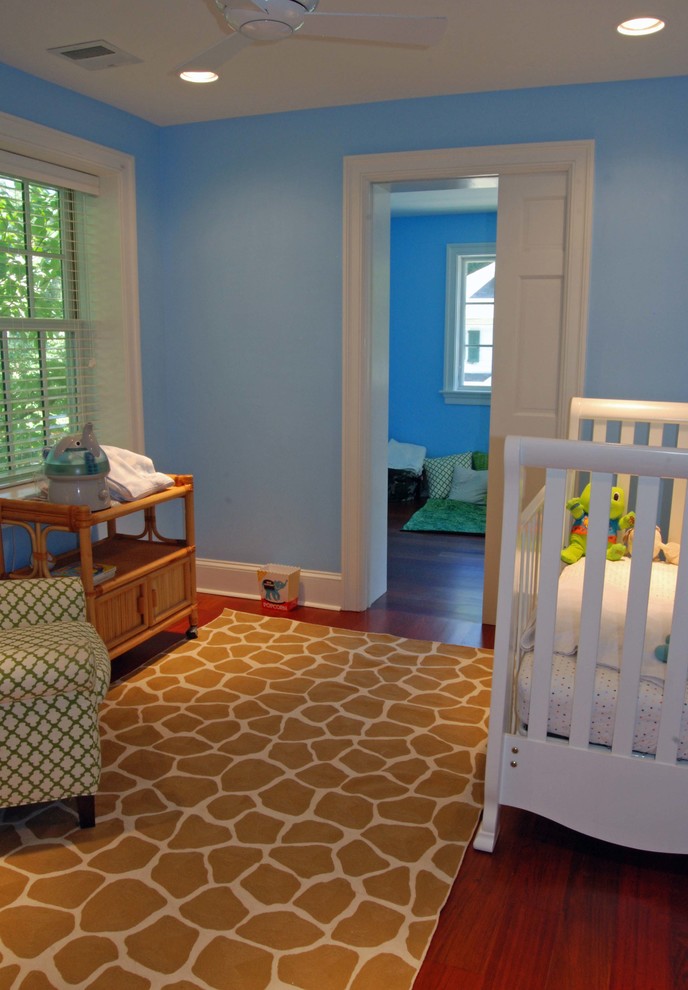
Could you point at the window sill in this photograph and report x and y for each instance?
(466, 398)
(22, 490)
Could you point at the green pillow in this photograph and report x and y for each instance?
(440, 471)
(479, 461)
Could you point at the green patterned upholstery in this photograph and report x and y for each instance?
(54, 672)
(34, 601)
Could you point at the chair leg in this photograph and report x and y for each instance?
(86, 806)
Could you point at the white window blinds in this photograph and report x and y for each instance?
(48, 173)
(47, 251)
(69, 311)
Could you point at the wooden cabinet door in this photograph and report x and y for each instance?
(170, 590)
(122, 613)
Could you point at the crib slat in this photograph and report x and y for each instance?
(550, 568)
(531, 530)
(656, 435)
(636, 615)
(677, 665)
(591, 611)
(599, 431)
(627, 435)
(678, 498)
(627, 432)
(678, 501)
(682, 438)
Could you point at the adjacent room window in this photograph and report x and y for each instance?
(469, 323)
(68, 304)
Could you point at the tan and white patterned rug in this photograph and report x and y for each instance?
(282, 805)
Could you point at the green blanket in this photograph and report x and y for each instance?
(446, 515)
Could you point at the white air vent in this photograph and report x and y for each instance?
(95, 55)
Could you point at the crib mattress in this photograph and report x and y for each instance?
(610, 649)
(648, 712)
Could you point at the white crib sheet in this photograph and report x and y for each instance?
(651, 690)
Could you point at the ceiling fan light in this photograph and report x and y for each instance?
(267, 29)
(638, 26)
(198, 76)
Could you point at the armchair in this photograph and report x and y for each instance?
(54, 673)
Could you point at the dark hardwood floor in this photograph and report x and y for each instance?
(550, 909)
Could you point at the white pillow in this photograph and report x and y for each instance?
(405, 456)
(468, 485)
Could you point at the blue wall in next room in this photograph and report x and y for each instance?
(417, 410)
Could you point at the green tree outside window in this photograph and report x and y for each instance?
(38, 310)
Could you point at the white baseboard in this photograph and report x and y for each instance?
(318, 589)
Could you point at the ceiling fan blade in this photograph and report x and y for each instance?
(397, 30)
(212, 58)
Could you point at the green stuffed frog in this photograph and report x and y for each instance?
(618, 521)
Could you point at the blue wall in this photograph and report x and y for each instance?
(241, 279)
(418, 262)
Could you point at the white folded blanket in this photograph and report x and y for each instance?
(613, 619)
(133, 475)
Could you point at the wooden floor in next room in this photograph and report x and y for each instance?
(549, 909)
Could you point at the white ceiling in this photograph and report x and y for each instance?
(476, 195)
(488, 45)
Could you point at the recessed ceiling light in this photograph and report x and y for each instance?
(198, 76)
(638, 26)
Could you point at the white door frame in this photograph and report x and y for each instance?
(361, 174)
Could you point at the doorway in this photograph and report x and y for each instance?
(434, 226)
(367, 181)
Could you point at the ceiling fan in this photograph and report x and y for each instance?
(273, 20)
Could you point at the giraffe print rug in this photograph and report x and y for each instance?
(282, 805)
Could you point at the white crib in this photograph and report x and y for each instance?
(587, 727)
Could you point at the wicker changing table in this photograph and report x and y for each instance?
(154, 585)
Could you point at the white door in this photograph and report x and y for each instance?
(532, 226)
(530, 216)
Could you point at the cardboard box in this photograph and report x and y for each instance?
(279, 587)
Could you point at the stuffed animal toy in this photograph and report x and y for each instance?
(670, 552)
(618, 521)
(662, 651)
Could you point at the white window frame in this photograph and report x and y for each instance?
(121, 393)
(454, 330)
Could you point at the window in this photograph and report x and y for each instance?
(469, 322)
(43, 388)
(68, 296)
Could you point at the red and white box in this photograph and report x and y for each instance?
(279, 587)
